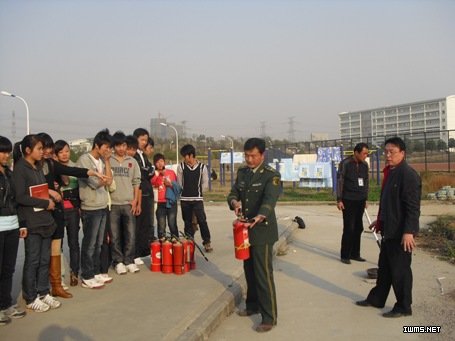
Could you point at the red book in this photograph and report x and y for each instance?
(41, 192)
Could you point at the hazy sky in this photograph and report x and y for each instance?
(221, 66)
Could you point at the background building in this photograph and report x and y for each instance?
(403, 119)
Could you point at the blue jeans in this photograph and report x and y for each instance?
(35, 278)
(72, 218)
(93, 225)
(123, 228)
(9, 242)
(171, 214)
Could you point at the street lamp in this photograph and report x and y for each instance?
(232, 157)
(6, 93)
(176, 139)
(232, 141)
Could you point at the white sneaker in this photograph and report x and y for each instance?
(38, 306)
(103, 278)
(51, 301)
(138, 261)
(120, 269)
(91, 283)
(4, 319)
(132, 268)
(14, 312)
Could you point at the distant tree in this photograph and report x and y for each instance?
(442, 145)
(431, 145)
(451, 142)
(418, 146)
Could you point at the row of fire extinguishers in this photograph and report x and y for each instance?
(177, 255)
(174, 255)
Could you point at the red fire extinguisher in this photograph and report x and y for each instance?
(241, 240)
(178, 258)
(166, 257)
(155, 255)
(186, 254)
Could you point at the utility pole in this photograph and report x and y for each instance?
(13, 126)
(291, 130)
(262, 130)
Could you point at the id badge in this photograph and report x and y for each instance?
(360, 182)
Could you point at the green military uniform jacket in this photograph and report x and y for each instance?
(258, 194)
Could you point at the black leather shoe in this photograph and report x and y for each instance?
(345, 261)
(263, 328)
(247, 312)
(365, 303)
(358, 259)
(395, 313)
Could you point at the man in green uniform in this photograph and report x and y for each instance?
(254, 195)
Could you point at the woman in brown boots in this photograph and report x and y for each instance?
(53, 171)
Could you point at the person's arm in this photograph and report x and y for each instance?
(411, 193)
(269, 199)
(340, 183)
(233, 198)
(180, 175)
(108, 171)
(92, 181)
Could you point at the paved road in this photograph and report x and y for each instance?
(315, 292)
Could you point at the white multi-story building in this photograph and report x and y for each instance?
(410, 119)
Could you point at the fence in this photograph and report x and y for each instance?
(432, 151)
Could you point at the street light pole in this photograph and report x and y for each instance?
(6, 93)
(176, 140)
(232, 158)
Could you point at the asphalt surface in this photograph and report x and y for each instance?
(315, 291)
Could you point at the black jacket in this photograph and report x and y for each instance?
(147, 173)
(400, 202)
(349, 173)
(24, 176)
(8, 205)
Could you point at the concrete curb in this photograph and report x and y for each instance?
(223, 306)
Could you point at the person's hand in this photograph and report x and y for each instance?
(237, 207)
(51, 205)
(372, 226)
(55, 195)
(167, 182)
(23, 232)
(408, 242)
(92, 172)
(340, 205)
(258, 219)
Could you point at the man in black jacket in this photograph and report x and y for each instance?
(398, 222)
(352, 195)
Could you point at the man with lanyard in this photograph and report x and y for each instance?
(352, 195)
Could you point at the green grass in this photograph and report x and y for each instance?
(291, 194)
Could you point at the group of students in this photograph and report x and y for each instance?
(111, 189)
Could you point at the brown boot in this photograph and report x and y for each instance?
(55, 277)
(74, 279)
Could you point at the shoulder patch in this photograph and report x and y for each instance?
(276, 180)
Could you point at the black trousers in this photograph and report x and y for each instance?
(144, 227)
(394, 271)
(352, 228)
(188, 207)
(261, 294)
(9, 243)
